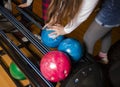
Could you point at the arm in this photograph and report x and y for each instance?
(28, 3)
(85, 10)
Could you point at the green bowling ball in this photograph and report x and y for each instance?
(16, 72)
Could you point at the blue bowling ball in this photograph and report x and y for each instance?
(72, 47)
(50, 41)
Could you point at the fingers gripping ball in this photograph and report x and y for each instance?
(55, 66)
(72, 47)
(16, 72)
(50, 41)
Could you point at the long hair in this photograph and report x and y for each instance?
(60, 10)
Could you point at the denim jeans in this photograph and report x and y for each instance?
(109, 15)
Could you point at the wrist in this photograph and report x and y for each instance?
(66, 30)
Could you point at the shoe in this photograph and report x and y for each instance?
(103, 60)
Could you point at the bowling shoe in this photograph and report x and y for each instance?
(103, 60)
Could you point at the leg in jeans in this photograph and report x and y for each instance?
(106, 42)
(94, 33)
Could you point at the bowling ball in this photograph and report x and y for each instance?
(72, 47)
(50, 41)
(55, 66)
(16, 72)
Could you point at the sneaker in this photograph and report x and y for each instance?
(103, 60)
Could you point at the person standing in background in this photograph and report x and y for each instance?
(101, 28)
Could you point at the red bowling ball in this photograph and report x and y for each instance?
(55, 66)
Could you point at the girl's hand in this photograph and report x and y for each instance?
(50, 23)
(57, 30)
(23, 5)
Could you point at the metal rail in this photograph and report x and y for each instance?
(4, 65)
(28, 68)
(30, 13)
(24, 31)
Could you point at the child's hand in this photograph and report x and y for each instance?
(23, 5)
(58, 30)
(28, 3)
(50, 23)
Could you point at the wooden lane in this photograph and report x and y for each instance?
(5, 80)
